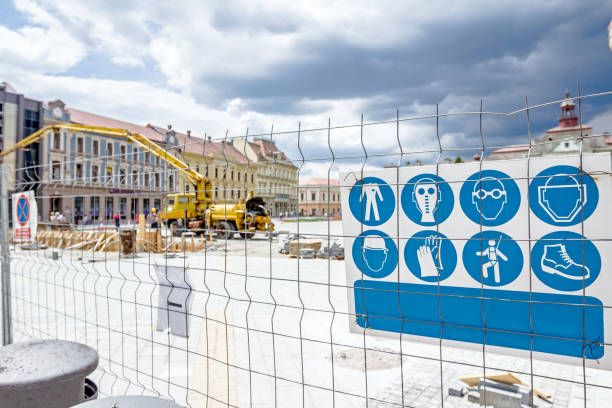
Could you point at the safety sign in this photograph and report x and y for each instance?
(25, 214)
(514, 255)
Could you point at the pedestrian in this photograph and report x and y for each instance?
(117, 220)
(153, 219)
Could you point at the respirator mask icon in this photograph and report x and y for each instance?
(374, 252)
(562, 197)
(426, 197)
(489, 197)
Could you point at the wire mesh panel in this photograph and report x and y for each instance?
(242, 295)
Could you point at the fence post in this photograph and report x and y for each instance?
(5, 270)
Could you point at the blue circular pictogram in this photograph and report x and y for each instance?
(372, 201)
(563, 195)
(565, 261)
(23, 210)
(375, 254)
(492, 258)
(490, 198)
(427, 199)
(430, 256)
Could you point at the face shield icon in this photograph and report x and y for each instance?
(426, 197)
(489, 197)
(374, 252)
(562, 197)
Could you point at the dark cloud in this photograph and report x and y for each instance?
(499, 58)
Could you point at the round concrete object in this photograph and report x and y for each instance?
(45, 373)
(129, 401)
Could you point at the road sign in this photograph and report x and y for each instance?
(513, 254)
(25, 216)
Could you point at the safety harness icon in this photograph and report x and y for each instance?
(562, 197)
(426, 197)
(556, 260)
(493, 256)
(489, 197)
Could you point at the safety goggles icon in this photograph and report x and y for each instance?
(496, 193)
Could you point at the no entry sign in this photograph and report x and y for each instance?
(513, 254)
(25, 216)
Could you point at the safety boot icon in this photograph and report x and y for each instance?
(556, 260)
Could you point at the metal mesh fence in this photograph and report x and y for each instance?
(206, 321)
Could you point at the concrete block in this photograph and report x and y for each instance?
(474, 396)
(456, 392)
(500, 398)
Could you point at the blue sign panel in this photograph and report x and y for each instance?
(550, 323)
(523, 261)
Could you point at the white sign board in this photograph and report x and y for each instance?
(513, 254)
(25, 216)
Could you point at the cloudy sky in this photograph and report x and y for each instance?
(231, 65)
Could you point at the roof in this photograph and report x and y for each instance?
(197, 145)
(513, 149)
(7, 87)
(266, 148)
(91, 119)
(558, 129)
(318, 181)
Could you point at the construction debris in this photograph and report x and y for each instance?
(334, 251)
(296, 246)
(499, 391)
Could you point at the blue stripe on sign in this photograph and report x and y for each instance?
(458, 314)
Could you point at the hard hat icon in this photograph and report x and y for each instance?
(562, 197)
(374, 252)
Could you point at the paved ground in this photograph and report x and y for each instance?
(265, 330)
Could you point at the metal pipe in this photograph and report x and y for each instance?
(7, 337)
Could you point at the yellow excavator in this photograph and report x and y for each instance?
(195, 209)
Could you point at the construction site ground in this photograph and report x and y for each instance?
(109, 301)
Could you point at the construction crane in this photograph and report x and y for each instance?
(246, 218)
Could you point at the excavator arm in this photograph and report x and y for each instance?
(202, 184)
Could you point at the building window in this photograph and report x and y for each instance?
(109, 175)
(123, 207)
(323, 196)
(94, 207)
(109, 208)
(171, 182)
(313, 196)
(216, 192)
(146, 179)
(301, 196)
(122, 177)
(79, 145)
(147, 157)
(252, 178)
(238, 178)
(232, 177)
(31, 122)
(95, 173)
(157, 183)
(79, 172)
(56, 170)
(109, 149)
(216, 172)
(135, 154)
(123, 156)
(96, 148)
(134, 178)
(57, 137)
